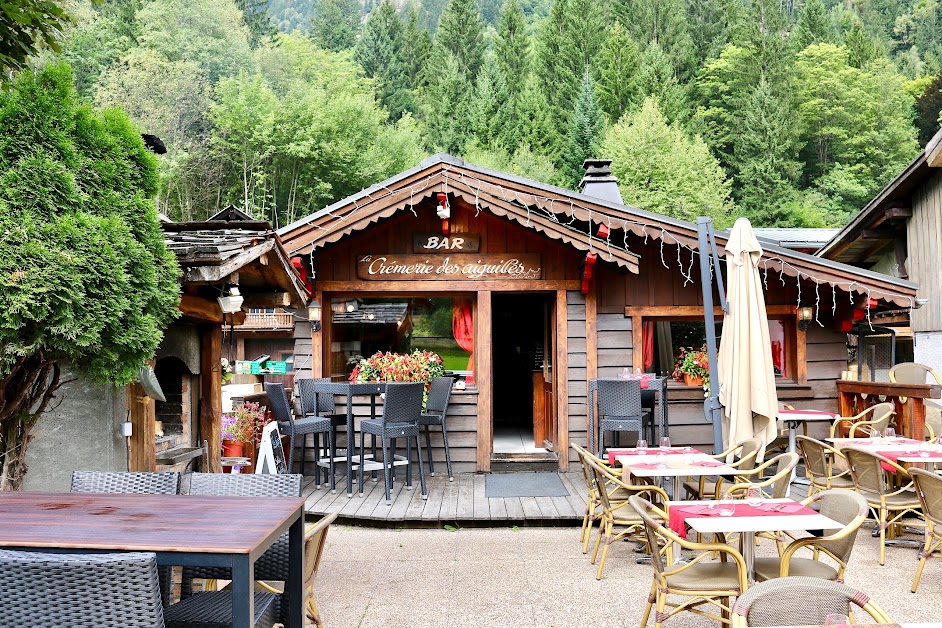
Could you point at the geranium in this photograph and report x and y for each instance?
(693, 362)
(245, 423)
(418, 366)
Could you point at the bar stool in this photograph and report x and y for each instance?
(288, 425)
(619, 407)
(435, 410)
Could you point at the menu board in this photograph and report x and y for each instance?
(271, 456)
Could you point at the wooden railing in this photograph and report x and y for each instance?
(854, 397)
(268, 320)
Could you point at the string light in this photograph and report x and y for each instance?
(817, 303)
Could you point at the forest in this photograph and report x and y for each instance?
(789, 112)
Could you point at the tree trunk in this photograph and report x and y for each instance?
(25, 393)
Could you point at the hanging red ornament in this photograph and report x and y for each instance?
(587, 267)
(604, 232)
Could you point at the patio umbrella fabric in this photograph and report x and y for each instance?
(747, 380)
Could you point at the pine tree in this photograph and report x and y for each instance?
(378, 52)
(255, 15)
(663, 22)
(335, 23)
(512, 47)
(766, 37)
(559, 64)
(615, 71)
(533, 123)
(585, 132)
(588, 24)
(488, 110)
(447, 98)
(461, 33)
(712, 24)
(414, 51)
(812, 27)
(656, 78)
(860, 49)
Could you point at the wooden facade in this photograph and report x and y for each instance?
(647, 270)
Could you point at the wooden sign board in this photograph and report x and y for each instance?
(271, 454)
(438, 243)
(459, 266)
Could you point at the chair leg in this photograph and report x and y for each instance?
(303, 451)
(373, 473)
(317, 459)
(652, 596)
(409, 461)
(418, 446)
(362, 458)
(291, 453)
(428, 445)
(926, 553)
(451, 476)
(387, 467)
(330, 465)
(882, 524)
(608, 542)
(659, 615)
(392, 459)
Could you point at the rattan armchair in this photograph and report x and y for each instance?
(79, 590)
(929, 490)
(436, 410)
(797, 601)
(617, 512)
(870, 478)
(291, 427)
(841, 505)
(819, 465)
(773, 486)
(701, 581)
(620, 408)
(915, 373)
(880, 414)
(593, 505)
(746, 452)
(153, 483)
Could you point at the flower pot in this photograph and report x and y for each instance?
(232, 448)
(693, 380)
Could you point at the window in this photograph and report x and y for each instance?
(359, 327)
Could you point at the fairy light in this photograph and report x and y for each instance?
(817, 303)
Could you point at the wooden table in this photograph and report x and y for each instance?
(207, 531)
(748, 526)
(909, 400)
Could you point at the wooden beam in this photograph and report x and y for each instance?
(317, 339)
(591, 349)
(210, 414)
(898, 213)
(561, 386)
(216, 274)
(266, 299)
(142, 455)
(207, 311)
(483, 376)
(899, 246)
(390, 288)
(879, 234)
(934, 151)
(677, 311)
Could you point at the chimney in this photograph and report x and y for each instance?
(599, 181)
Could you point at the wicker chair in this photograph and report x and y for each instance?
(616, 512)
(154, 483)
(915, 373)
(870, 478)
(213, 609)
(436, 409)
(593, 507)
(620, 408)
(819, 465)
(773, 486)
(288, 425)
(797, 601)
(880, 414)
(841, 505)
(79, 590)
(929, 489)
(320, 405)
(273, 564)
(402, 409)
(703, 488)
(699, 581)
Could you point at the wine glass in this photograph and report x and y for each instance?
(754, 496)
(665, 442)
(641, 446)
(836, 620)
(889, 432)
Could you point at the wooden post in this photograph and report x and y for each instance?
(591, 352)
(483, 376)
(637, 342)
(562, 379)
(210, 417)
(143, 455)
(317, 339)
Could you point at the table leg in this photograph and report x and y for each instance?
(243, 598)
(295, 585)
(349, 461)
(749, 555)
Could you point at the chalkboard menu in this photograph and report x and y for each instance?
(271, 456)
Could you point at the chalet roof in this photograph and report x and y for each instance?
(231, 213)
(210, 252)
(372, 314)
(849, 245)
(560, 214)
(796, 238)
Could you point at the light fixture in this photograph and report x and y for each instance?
(314, 314)
(805, 314)
(352, 306)
(231, 302)
(919, 303)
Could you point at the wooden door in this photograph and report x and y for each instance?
(545, 433)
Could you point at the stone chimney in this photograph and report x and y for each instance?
(599, 181)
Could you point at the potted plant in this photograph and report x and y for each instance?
(418, 366)
(693, 366)
(241, 429)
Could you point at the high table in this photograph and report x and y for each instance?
(349, 390)
(206, 531)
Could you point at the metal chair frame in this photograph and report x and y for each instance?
(800, 601)
(436, 411)
(289, 425)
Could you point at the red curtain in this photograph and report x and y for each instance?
(647, 329)
(462, 326)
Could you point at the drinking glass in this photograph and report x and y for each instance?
(889, 432)
(642, 444)
(665, 442)
(836, 620)
(754, 496)
(727, 510)
(661, 461)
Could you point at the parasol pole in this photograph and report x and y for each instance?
(712, 409)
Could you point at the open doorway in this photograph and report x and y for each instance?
(524, 404)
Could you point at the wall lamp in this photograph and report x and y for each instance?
(231, 302)
(314, 314)
(805, 314)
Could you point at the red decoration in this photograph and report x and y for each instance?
(604, 232)
(587, 266)
(302, 272)
(446, 228)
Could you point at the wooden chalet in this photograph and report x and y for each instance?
(559, 287)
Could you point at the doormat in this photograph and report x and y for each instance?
(524, 485)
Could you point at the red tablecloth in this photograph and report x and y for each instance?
(896, 454)
(650, 451)
(677, 515)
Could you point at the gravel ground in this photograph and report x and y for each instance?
(529, 577)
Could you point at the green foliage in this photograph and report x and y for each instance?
(461, 34)
(335, 24)
(615, 71)
(860, 49)
(512, 48)
(85, 276)
(657, 79)
(559, 64)
(929, 108)
(585, 133)
(256, 18)
(26, 27)
(660, 22)
(662, 169)
(379, 53)
(522, 162)
(812, 27)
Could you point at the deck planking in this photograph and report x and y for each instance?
(463, 500)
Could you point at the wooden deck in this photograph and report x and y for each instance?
(461, 502)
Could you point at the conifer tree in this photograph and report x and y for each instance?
(512, 47)
(663, 22)
(461, 34)
(447, 98)
(766, 36)
(860, 48)
(335, 23)
(712, 24)
(615, 71)
(656, 78)
(255, 15)
(488, 111)
(414, 51)
(812, 27)
(533, 124)
(559, 65)
(585, 132)
(378, 53)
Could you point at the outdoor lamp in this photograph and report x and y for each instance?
(232, 302)
(314, 314)
(805, 314)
